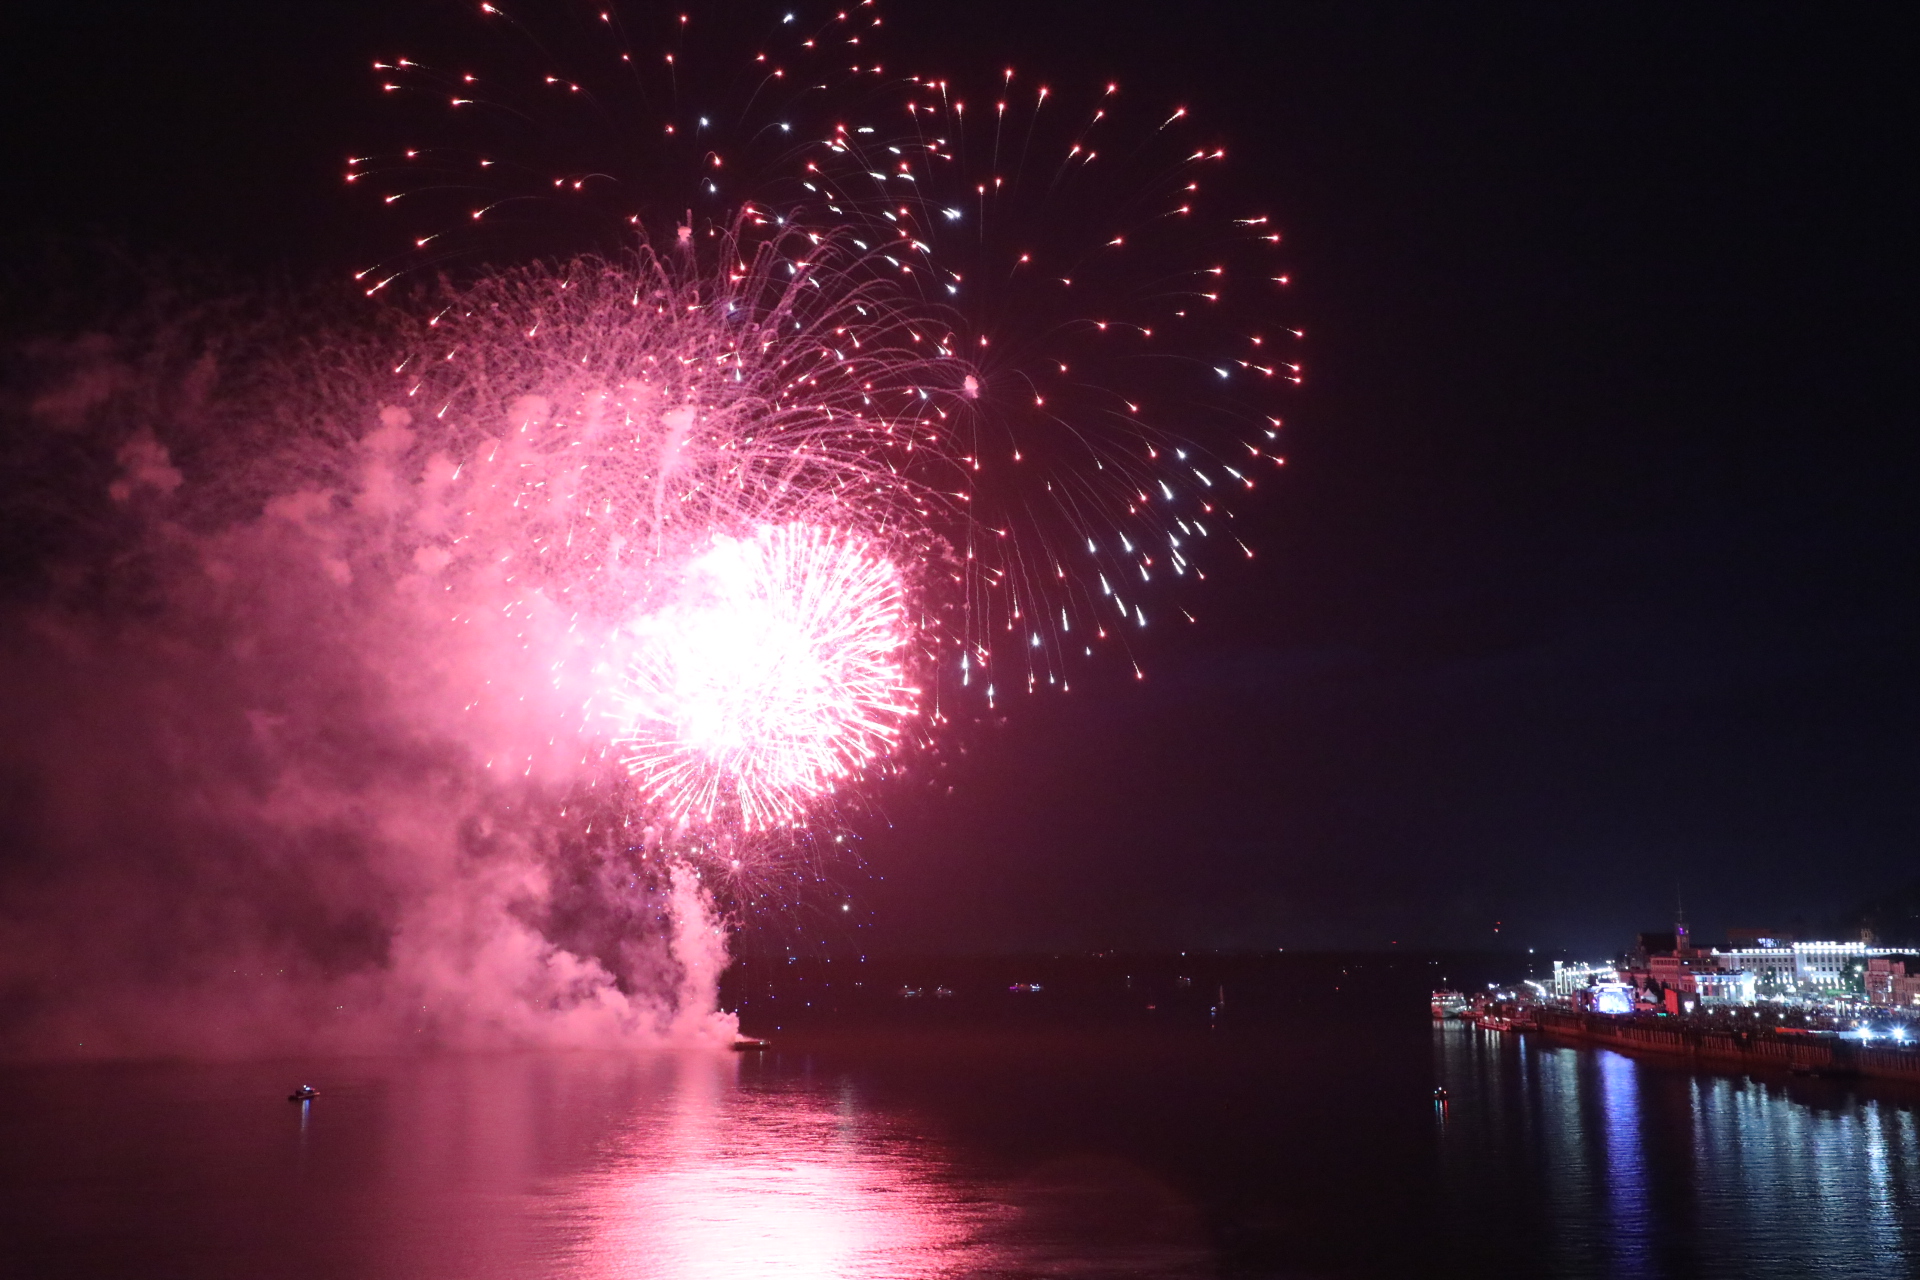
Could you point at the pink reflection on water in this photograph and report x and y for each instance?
(709, 1179)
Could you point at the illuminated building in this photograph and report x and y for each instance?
(1893, 982)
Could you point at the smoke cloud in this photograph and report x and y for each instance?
(297, 743)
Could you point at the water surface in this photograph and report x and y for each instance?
(1309, 1150)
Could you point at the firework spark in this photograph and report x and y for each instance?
(692, 506)
(1117, 313)
(777, 673)
(1025, 347)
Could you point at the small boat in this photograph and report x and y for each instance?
(305, 1093)
(1440, 1093)
(749, 1044)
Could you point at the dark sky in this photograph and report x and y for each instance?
(1591, 578)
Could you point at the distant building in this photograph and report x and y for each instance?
(1570, 978)
(1893, 982)
(1699, 976)
(1823, 967)
(1773, 967)
(1666, 970)
(1728, 986)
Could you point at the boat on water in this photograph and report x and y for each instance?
(749, 1044)
(305, 1093)
(1449, 1004)
(1503, 1015)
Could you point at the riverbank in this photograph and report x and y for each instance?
(1759, 1049)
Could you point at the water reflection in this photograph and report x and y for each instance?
(1599, 1164)
(1627, 1219)
(1104, 1155)
(716, 1180)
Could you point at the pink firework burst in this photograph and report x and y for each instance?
(1005, 356)
(779, 670)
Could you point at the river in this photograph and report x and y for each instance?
(1301, 1147)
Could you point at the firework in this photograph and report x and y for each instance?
(1118, 314)
(777, 673)
(688, 505)
(627, 411)
(903, 346)
(735, 415)
(561, 129)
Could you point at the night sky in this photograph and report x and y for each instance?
(1591, 577)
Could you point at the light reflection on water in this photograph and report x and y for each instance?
(566, 1166)
(712, 1180)
(1599, 1164)
(743, 1167)
(1304, 1152)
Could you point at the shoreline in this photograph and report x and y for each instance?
(1823, 1056)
